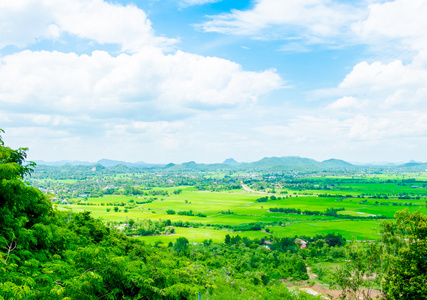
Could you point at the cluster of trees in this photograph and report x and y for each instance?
(133, 190)
(331, 212)
(226, 212)
(266, 198)
(185, 213)
(49, 254)
(396, 265)
(146, 227)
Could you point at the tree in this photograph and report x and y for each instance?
(406, 246)
(181, 245)
(227, 239)
(21, 206)
(50, 254)
(359, 274)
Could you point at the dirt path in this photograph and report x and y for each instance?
(326, 293)
(323, 290)
(248, 189)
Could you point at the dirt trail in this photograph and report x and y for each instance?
(248, 189)
(326, 293)
(323, 290)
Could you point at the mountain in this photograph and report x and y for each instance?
(63, 163)
(336, 163)
(169, 165)
(111, 163)
(288, 163)
(104, 162)
(413, 165)
(230, 161)
(285, 162)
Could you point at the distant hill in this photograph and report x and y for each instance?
(413, 166)
(108, 163)
(230, 161)
(284, 163)
(169, 165)
(63, 163)
(111, 163)
(336, 163)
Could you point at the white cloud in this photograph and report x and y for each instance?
(382, 24)
(312, 20)
(395, 85)
(392, 85)
(392, 22)
(171, 107)
(20, 26)
(379, 110)
(186, 3)
(329, 137)
(66, 83)
(96, 20)
(344, 103)
(392, 112)
(144, 99)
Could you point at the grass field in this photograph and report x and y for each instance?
(359, 230)
(246, 210)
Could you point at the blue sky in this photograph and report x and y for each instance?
(178, 80)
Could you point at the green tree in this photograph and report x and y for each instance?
(21, 206)
(181, 246)
(406, 248)
(227, 239)
(359, 274)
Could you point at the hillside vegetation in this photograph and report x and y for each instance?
(47, 253)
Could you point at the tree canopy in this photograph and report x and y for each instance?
(49, 254)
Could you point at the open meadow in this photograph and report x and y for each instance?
(199, 214)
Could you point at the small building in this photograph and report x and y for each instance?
(302, 243)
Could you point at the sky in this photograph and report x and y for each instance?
(165, 81)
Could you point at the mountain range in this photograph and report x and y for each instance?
(266, 163)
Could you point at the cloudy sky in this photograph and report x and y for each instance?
(177, 80)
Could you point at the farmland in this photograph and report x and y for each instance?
(212, 232)
(209, 205)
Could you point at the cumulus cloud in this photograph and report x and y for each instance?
(383, 100)
(392, 85)
(312, 20)
(96, 20)
(102, 84)
(159, 104)
(399, 21)
(380, 102)
(19, 25)
(397, 24)
(379, 109)
(139, 96)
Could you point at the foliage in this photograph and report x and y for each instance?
(358, 275)
(49, 254)
(405, 240)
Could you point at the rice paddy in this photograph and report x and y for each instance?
(230, 208)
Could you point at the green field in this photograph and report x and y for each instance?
(366, 230)
(245, 209)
